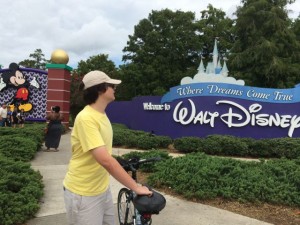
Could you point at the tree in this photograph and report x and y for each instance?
(167, 46)
(38, 61)
(266, 52)
(97, 62)
(296, 28)
(76, 98)
(214, 24)
(163, 49)
(29, 63)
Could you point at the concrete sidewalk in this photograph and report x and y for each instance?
(53, 167)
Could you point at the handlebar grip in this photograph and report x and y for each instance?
(158, 158)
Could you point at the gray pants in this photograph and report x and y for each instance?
(89, 210)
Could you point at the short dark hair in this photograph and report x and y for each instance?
(90, 95)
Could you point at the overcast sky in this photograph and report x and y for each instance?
(83, 28)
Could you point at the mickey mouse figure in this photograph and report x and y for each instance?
(15, 78)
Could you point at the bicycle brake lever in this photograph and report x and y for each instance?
(132, 168)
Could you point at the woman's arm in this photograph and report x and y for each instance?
(117, 171)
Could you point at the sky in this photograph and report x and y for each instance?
(84, 28)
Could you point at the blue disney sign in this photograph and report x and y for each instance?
(214, 103)
(291, 95)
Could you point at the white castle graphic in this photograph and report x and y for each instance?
(214, 72)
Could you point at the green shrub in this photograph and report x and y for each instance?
(243, 147)
(125, 137)
(18, 148)
(131, 139)
(286, 147)
(138, 139)
(200, 176)
(212, 145)
(119, 138)
(147, 142)
(32, 131)
(20, 191)
(119, 126)
(261, 148)
(225, 145)
(164, 141)
(188, 144)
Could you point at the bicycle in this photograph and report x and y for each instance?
(129, 211)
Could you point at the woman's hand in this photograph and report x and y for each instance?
(143, 190)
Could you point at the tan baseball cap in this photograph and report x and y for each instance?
(97, 77)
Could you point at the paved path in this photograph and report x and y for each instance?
(53, 166)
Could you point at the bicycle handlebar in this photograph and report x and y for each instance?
(134, 163)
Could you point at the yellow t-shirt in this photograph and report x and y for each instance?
(85, 175)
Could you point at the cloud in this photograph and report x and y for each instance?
(82, 28)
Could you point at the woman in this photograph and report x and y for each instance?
(87, 192)
(53, 134)
(14, 117)
(9, 117)
(21, 118)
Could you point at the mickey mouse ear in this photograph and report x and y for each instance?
(13, 66)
